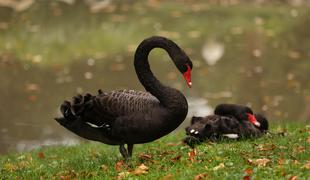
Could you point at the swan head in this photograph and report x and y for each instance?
(187, 75)
(184, 65)
(253, 119)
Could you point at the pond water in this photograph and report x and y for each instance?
(260, 67)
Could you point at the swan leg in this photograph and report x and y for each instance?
(123, 151)
(129, 148)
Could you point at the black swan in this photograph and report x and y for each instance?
(128, 116)
(240, 112)
(215, 127)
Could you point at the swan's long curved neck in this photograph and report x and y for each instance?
(169, 97)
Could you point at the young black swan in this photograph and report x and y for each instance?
(128, 116)
(214, 127)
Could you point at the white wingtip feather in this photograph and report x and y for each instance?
(231, 136)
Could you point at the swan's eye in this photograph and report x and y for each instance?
(187, 76)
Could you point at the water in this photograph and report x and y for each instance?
(265, 67)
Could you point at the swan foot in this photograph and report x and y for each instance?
(126, 153)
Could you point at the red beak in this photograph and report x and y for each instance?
(187, 76)
(253, 120)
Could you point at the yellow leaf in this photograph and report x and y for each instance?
(262, 162)
(259, 162)
(293, 178)
(307, 166)
(142, 169)
(122, 175)
(220, 166)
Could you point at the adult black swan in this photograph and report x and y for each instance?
(128, 116)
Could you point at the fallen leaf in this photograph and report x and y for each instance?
(192, 155)
(280, 161)
(248, 171)
(220, 166)
(122, 175)
(247, 177)
(262, 162)
(41, 155)
(142, 169)
(259, 162)
(145, 156)
(308, 140)
(307, 166)
(293, 178)
(300, 149)
(201, 176)
(119, 165)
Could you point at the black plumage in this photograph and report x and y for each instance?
(215, 127)
(128, 116)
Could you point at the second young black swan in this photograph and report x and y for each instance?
(128, 116)
(215, 127)
(230, 120)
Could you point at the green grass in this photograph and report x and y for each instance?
(285, 156)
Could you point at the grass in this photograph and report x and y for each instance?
(271, 157)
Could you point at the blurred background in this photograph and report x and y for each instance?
(255, 53)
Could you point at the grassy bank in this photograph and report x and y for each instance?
(272, 157)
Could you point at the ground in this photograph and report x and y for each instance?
(282, 155)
